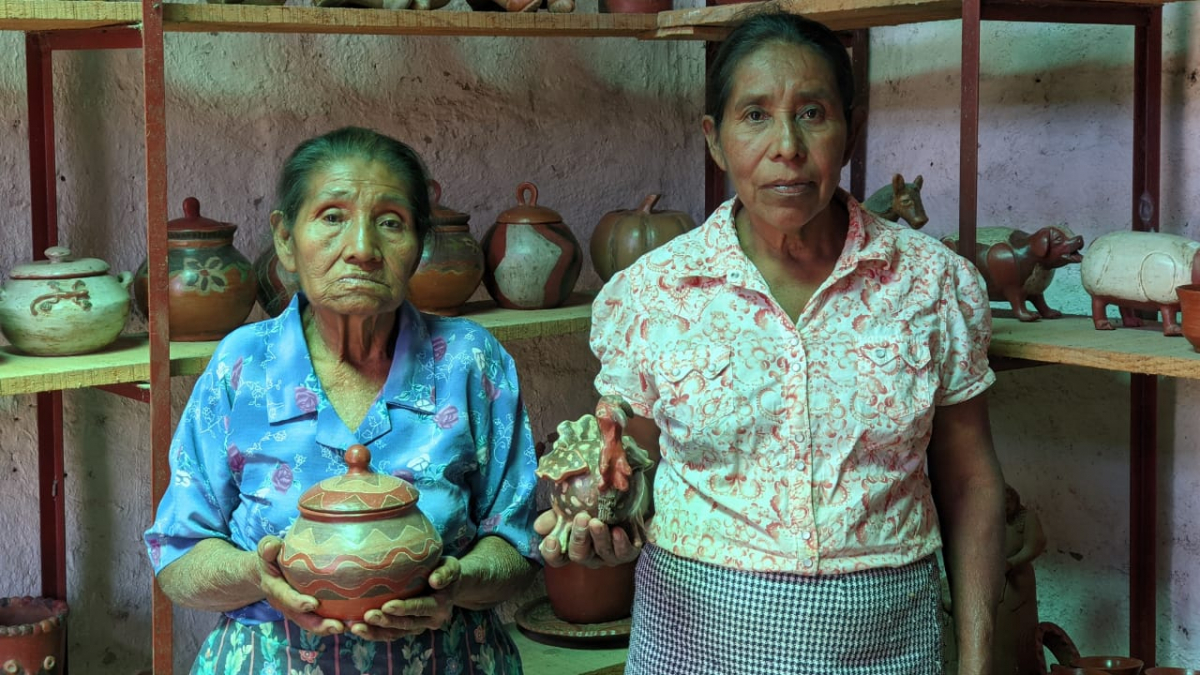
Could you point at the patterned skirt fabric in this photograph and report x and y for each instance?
(473, 644)
(693, 618)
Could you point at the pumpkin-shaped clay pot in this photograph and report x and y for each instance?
(532, 260)
(623, 236)
(359, 542)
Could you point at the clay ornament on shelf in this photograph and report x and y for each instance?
(1019, 266)
(532, 259)
(1139, 270)
(899, 201)
(622, 236)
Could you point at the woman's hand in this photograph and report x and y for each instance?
(295, 606)
(592, 543)
(398, 618)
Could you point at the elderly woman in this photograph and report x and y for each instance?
(350, 361)
(812, 378)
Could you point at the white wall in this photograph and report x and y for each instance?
(597, 124)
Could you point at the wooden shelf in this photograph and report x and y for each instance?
(1074, 341)
(44, 15)
(128, 359)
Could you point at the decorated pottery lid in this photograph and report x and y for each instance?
(60, 265)
(360, 494)
(193, 222)
(527, 210)
(441, 215)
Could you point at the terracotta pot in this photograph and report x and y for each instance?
(1189, 306)
(634, 6)
(623, 236)
(580, 594)
(1058, 669)
(1115, 665)
(210, 283)
(532, 259)
(359, 542)
(32, 635)
(63, 306)
(274, 286)
(451, 264)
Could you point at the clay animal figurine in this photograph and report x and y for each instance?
(1139, 270)
(1019, 266)
(574, 467)
(899, 201)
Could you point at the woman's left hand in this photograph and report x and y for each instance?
(398, 618)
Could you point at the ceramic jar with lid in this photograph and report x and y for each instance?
(211, 284)
(451, 264)
(62, 306)
(622, 236)
(532, 259)
(359, 542)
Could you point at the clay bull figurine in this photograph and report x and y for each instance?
(1139, 270)
(1019, 266)
(899, 201)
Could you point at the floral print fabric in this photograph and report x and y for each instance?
(794, 446)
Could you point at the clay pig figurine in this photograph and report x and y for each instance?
(574, 467)
(899, 201)
(1019, 266)
(1139, 270)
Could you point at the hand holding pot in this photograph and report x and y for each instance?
(398, 618)
(294, 605)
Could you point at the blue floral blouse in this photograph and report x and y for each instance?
(259, 430)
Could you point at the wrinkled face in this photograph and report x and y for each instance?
(354, 244)
(783, 140)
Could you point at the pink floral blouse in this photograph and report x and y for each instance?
(794, 447)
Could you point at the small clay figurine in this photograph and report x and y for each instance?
(1139, 270)
(899, 201)
(1019, 266)
(574, 465)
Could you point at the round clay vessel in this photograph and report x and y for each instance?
(1189, 306)
(210, 283)
(451, 264)
(63, 306)
(1115, 665)
(583, 595)
(31, 635)
(623, 236)
(359, 542)
(1059, 669)
(532, 259)
(274, 286)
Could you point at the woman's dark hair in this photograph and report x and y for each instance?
(759, 30)
(320, 152)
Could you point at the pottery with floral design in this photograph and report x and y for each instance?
(62, 306)
(32, 635)
(622, 236)
(210, 283)
(532, 258)
(359, 542)
(451, 265)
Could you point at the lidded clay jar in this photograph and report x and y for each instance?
(532, 258)
(451, 264)
(359, 542)
(62, 306)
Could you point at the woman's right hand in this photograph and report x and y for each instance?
(592, 543)
(295, 606)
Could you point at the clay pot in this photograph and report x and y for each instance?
(1189, 305)
(580, 594)
(1163, 670)
(1115, 665)
(359, 542)
(63, 306)
(210, 284)
(451, 264)
(31, 635)
(274, 286)
(634, 6)
(623, 236)
(532, 260)
(1058, 669)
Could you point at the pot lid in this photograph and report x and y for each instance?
(192, 221)
(527, 210)
(442, 215)
(360, 493)
(59, 265)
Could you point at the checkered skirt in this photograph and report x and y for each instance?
(693, 618)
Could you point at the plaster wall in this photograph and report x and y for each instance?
(597, 124)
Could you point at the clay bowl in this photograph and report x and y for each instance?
(1115, 665)
(1164, 670)
(1189, 305)
(1057, 669)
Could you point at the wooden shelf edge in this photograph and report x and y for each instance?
(48, 15)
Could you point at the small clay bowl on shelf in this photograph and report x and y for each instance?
(1189, 306)
(1115, 665)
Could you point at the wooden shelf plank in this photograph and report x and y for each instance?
(45, 15)
(128, 359)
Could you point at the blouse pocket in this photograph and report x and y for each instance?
(895, 382)
(698, 404)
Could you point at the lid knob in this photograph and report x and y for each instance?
(191, 207)
(58, 254)
(358, 457)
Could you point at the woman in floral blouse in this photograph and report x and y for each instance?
(812, 379)
(349, 361)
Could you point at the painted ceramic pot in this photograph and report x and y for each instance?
(1189, 305)
(31, 635)
(210, 283)
(359, 542)
(274, 286)
(623, 236)
(63, 306)
(532, 259)
(451, 264)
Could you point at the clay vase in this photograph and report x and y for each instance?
(359, 542)
(623, 236)
(1115, 665)
(451, 264)
(32, 635)
(1189, 306)
(210, 283)
(532, 260)
(584, 595)
(63, 306)
(274, 286)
